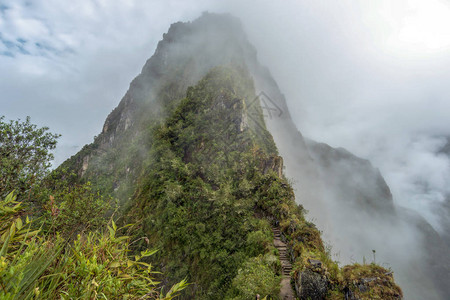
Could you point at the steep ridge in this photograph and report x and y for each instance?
(212, 191)
(162, 170)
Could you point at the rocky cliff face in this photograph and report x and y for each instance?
(345, 195)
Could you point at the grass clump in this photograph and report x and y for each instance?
(96, 265)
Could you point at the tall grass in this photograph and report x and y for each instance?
(96, 265)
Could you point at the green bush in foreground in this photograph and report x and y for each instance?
(256, 277)
(94, 266)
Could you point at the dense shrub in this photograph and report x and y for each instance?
(96, 265)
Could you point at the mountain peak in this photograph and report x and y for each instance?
(190, 155)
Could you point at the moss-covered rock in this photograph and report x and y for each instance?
(370, 282)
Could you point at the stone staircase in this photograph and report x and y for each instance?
(286, 292)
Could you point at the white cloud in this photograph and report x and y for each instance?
(81, 57)
(345, 86)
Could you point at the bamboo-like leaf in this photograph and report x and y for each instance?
(5, 246)
(19, 223)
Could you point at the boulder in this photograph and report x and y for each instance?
(311, 285)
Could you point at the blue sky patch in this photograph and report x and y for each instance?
(7, 53)
(14, 46)
(3, 8)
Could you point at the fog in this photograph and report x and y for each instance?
(350, 84)
(352, 79)
(371, 77)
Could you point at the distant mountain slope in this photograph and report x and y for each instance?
(443, 210)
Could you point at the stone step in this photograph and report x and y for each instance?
(286, 292)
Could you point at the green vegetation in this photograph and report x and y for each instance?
(370, 282)
(72, 209)
(24, 155)
(202, 184)
(211, 192)
(70, 250)
(94, 266)
(255, 277)
(196, 200)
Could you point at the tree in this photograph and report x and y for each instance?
(25, 155)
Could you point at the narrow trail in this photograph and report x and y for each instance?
(286, 292)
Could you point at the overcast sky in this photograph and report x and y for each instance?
(370, 76)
